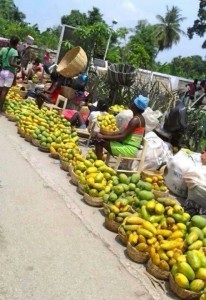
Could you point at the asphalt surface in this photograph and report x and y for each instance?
(52, 245)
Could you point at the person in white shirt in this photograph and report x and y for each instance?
(102, 108)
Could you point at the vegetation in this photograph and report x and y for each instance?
(137, 46)
(169, 30)
(199, 26)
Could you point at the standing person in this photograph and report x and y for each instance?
(26, 55)
(125, 143)
(46, 57)
(192, 88)
(176, 122)
(8, 56)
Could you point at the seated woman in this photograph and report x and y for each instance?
(50, 95)
(125, 143)
(73, 113)
(35, 69)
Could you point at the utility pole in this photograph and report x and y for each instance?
(114, 22)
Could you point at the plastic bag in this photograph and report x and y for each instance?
(123, 118)
(177, 166)
(151, 119)
(158, 152)
(195, 179)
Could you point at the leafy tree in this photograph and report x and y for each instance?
(49, 38)
(144, 36)
(164, 68)
(195, 64)
(199, 26)
(9, 11)
(75, 18)
(168, 30)
(94, 16)
(119, 42)
(138, 56)
(93, 38)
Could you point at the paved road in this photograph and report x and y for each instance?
(52, 245)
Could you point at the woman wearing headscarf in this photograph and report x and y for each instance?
(127, 142)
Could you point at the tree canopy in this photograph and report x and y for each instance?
(199, 26)
(169, 28)
(137, 46)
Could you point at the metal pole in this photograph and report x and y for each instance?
(108, 42)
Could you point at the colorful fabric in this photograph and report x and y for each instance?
(129, 146)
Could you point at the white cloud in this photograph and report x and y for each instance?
(128, 6)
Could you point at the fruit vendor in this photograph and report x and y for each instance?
(127, 142)
(50, 95)
(8, 57)
(73, 113)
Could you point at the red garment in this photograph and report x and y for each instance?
(46, 58)
(55, 95)
(192, 88)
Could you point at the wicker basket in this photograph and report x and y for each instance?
(22, 133)
(28, 138)
(21, 93)
(111, 225)
(80, 188)
(74, 178)
(44, 149)
(121, 74)
(182, 293)
(160, 194)
(93, 201)
(64, 165)
(122, 238)
(11, 118)
(136, 255)
(156, 271)
(151, 173)
(108, 132)
(35, 142)
(73, 63)
(55, 155)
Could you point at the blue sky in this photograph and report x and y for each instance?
(47, 13)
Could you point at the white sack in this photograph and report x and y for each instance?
(177, 167)
(195, 179)
(151, 119)
(123, 118)
(157, 153)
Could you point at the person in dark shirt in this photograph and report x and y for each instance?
(192, 88)
(176, 122)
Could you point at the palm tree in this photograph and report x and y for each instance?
(168, 30)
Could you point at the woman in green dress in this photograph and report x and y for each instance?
(127, 142)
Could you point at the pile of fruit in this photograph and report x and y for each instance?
(107, 123)
(116, 108)
(189, 271)
(94, 175)
(157, 182)
(157, 226)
